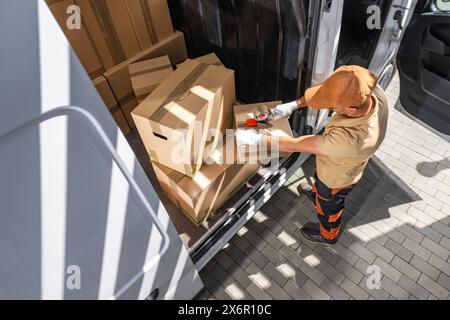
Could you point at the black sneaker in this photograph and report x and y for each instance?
(313, 234)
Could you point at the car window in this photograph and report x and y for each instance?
(443, 5)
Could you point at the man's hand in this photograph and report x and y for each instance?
(283, 110)
(248, 137)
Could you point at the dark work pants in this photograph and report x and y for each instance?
(330, 205)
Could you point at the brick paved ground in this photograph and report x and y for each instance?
(397, 219)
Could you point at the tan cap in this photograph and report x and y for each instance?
(347, 86)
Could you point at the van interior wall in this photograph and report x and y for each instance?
(357, 41)
(262, 40)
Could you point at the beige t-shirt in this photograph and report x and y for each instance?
(350, 142)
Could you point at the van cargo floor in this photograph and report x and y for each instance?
(190, 234)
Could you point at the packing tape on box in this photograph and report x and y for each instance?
(175, 176)
(114, 109)
(149, 21)
(142, 97)
(158, 68)
(106, 24)
(174, 187)
(127, 98)
(96, 73)
(177, 203)
(180, 92)
(187, 167)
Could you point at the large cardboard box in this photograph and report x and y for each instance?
(127, 108)
(103, 88)
(59, 11)
(111, 103)
(210, 58)
(111, 28)
(119, 76)
(121, 26)
(174, 121)
(210, 188)
(79, 38)
(151, 20)
(104, 43)
(147, 75)
(277, 128)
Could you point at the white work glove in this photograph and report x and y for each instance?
(284, 110)
(249, 137)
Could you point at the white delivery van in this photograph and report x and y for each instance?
(82, 215)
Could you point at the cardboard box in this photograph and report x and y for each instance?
(275, 128)
(119, 114)
(210, 58)
(120, 120)
(209, 189)
(103, 88)
(151, 20)
(147, 75)
(174, 120)
(111, 29)
(102, 42)
(119, 76)
(127, 108)
(122, 27)
(236, 176)
(59, 11)
(79, 38)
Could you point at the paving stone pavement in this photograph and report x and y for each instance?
(397, 222)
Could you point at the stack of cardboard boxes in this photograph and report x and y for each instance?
(130, 49)
(183, 124)
(111, 31)
(109, 35)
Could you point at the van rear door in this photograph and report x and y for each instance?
(424, 66)
(79, 218)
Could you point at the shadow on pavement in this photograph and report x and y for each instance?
(430, 169)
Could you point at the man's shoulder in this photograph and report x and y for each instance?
(380, 94)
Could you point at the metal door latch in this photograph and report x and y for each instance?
(398, 16)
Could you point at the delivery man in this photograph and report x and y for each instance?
(355, 131)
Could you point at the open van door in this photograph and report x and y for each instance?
(79, 218)
(424, 66)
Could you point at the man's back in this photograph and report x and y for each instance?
(350, 142)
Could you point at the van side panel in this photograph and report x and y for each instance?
(78, 217)
(262, 40)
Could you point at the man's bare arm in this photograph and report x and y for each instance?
(308, 144)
